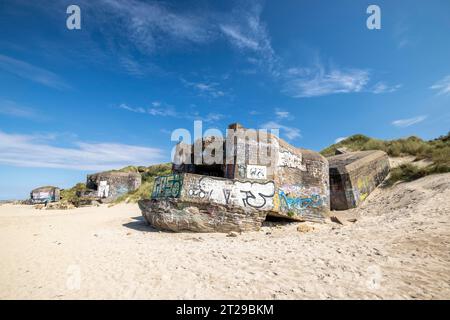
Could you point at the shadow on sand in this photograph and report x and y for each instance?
(139, 224)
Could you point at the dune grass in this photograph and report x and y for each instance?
(437, 151)
(71, 195)
(148, 178)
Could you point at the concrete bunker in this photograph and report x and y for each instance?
(237, 195)
(45, 194)
(108, 186)
(354, 175)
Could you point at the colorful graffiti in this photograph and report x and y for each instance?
(43, 196)
(296, 199)
(362, 189)
(256, 195)
(288, 203)
(167, 186)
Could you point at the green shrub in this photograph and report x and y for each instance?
(405, 172)
(148, 178)
(436, 150)
(409, 172)
(71, 195)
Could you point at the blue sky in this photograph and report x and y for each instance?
(110, 94)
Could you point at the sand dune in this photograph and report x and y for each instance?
(398, 248)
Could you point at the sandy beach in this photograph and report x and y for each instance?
(398, 248)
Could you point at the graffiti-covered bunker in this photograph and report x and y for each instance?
(109, 185)
(238, 195)
(45, 194)
(354, 175)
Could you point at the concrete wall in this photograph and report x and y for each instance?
(294, 201)
(45, 194)
(111, 185)
(354, 175)
(302, 181)
(294, 184)
(194, 188)
(300, 177)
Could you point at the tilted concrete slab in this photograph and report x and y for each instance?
(354, 175)
(293, 185)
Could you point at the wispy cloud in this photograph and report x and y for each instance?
(134, 67)
(318, 81)
(340, 139)
(30, 72)
(209, 117)
(34, 151)
(246, 32)
(124, 106)
(290, 132)
(150, 26)
(163, 110)
(281, 114)
(206, 89)
(403, 123)
(382, 87)
(156, 109)
(401, 35)
(12, 109)
(442, 86)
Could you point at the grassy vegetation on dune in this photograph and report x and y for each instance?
(409, 172)
(71, 195)
(148, 178)
(413, 146)
(437, 151)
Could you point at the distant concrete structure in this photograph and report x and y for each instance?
(238, 196)
(108, 186)
(354, 175)
(341, 150)
(45, 195)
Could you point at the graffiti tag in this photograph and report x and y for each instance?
(167, 186)
(256, 172)
(244, 194)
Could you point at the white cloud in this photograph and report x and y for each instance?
(281, 114)
(134, 67)
(156, 109)
(403, 123)
(238, 39)
(340, 139)
(132, 109)
(10, 108)
(166, 111)
(298, 71)
(162, 110)
(401, 34)
(318, 81)
(442, 86)
(36, 151)
(207, 89)
(210, 117)
(30, 72)
(245, 31)
(382, 87)
(153, 25)
(290, 132)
